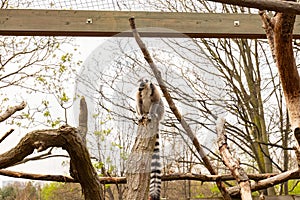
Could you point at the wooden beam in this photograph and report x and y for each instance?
(109, 23)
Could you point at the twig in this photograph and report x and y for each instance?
(45, 155)
(6, 135)
(275, 5)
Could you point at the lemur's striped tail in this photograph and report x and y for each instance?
(155, 179)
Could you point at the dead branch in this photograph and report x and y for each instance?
(67, 138)
(58, 178)
(6, 135)
(268, 25)
(167, 177)
(234, 166)
(214, 178)
(45, 155)
(83, 119)
(11, 110)
(269, 182)
(280, 30)
(274, 5)
(138, 164)
(174, 109)
(40, 177)
(38, 157)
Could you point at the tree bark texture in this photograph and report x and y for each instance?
(138, 165)
(236, 170)
(281, 40)
(166, 177)
(83, 120)
(67, 138)
(268, 182)
(288, 72)
(175, 110)
(11, 110)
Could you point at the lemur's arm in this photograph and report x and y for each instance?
(139, 103)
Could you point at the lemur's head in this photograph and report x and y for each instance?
(144, 84)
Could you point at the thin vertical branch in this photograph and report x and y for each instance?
(174, 109)
(83, 119)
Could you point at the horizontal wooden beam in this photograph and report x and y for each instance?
(109, 23)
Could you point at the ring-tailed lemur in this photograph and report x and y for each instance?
(150, 105)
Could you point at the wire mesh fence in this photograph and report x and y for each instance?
(76, 5)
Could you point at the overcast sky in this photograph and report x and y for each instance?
(54, 166)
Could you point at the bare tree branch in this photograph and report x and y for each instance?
(279, 30)
(67, 138)
(174, 109)
(275, 5)
(6, 135)
(167, 177)
(269, 182)
(45, 155)
(83, 119)
(233, 165)
(11, 110)
(268, 25)
(41, 177)
(139, 161)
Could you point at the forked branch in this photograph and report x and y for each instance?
(67, 138)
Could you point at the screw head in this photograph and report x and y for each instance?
(89, 21)
(236, 23)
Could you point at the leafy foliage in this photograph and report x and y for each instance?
(19, 191)
(8, 193)
(66, 191)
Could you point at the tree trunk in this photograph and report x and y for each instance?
(67, 138)
(139, 162)
(283, 28)
(279, 31)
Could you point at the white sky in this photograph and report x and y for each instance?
(86, 45)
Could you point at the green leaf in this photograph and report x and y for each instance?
(64, 97)
(47, 113)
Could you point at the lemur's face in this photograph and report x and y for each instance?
(144, 84)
